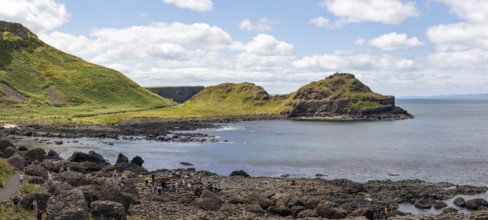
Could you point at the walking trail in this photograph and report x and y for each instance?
(10, 187)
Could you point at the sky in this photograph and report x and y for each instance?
(396, 47)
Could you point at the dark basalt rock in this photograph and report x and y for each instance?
(239, 173)
(108, 210)
(440, 205)
(35, 154)
(137, 161)
(475, 204)
(4, 144)
(424, 203)
(460, 202)
(69, 205)
(41, 198)
(122, 159)
(90, 157)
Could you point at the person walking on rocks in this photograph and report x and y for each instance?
(176, 187)
(49, 177)
(39, 214)
(21, 179)
(34, 205)
(153, 179)
(146, 179)
(385, 212)
(16, 204)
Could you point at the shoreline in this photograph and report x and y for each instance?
(224, 197)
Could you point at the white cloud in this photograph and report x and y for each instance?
(195, 5)
(340, 61)
(357, 11)
(38, 15)
(395, 41)
(360, 41)
(473, 11)
(261, 26)
(264, 44)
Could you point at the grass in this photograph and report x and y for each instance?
(29, 188)
(7, 213)
(33, 68)
(5, 171)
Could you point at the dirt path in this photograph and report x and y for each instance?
(10, 187)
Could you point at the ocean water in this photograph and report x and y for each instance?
(447, 141)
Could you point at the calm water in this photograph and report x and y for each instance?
(447, 141)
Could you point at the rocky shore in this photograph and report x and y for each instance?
(86, 185)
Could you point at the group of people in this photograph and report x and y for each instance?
(34, 207)
(151, 182)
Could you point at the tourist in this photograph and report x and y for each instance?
(34, 205)
(146, 179)
(21, 179)
(386, 213)
(153, 178)
(163, 185)
(16, 204)
(160, 189)
(176, 187)
(115, 174)
(39, 214)
(49, 177)
(190, 174)
(293, 182)
(189, 187)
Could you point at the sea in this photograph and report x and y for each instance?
(446, 142)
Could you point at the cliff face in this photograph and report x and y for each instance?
(178, 94)
(341, 97)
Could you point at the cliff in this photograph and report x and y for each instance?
(341, 97)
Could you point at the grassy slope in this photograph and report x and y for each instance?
(30, 66)
(227, 99)
(338, 87)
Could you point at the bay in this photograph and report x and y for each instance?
(447, 141)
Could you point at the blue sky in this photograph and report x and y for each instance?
(397, 47)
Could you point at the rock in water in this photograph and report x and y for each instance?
(137, 161)
(91, 157)
(475, 204)
(460, 202)
(186, 163)
(108, 210)
(122, 159)
(4, 144)
(69, 205)
(239, 173)
(424, 203)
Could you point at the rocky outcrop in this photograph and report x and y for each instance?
(17, 161)
(460, 202)
(122, 159)
(36, 154)
(475, 204)
(90, 157)
(208, 201)
(10, 151)
(137, 161)
(108, 210)
(239, 173)
(4, 144)
(341, 97)
(40, 197)
(36, 170)
(69, 205)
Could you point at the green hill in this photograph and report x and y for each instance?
(341, 96)
(37, 79)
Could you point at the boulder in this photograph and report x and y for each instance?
(58, 142)
(41, 197)
(311, 202)
(475, 204)
(295, 210)
(307, 213)
(17, 161)
(186, 163)
(10, 151)
(255, 208)
(69, 205)
(58, 187)
(108, 210)
(279, 210)
(121, 167)
(22, 148)
(239, 173)
(137, 161)
(90, 193)
(73, 178)
(85, 167)
(208, 201)
(122, 159)
(4, 144)
(424, 203)
(92, 156)
(35, 154)
(460, 202)
(36, 170)
(260, 199)
(110, 191)
(54, 165)
(362, 212)
(328, 210)
(53, 154)
(449, 210)
(440, 205)
(36, 180)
